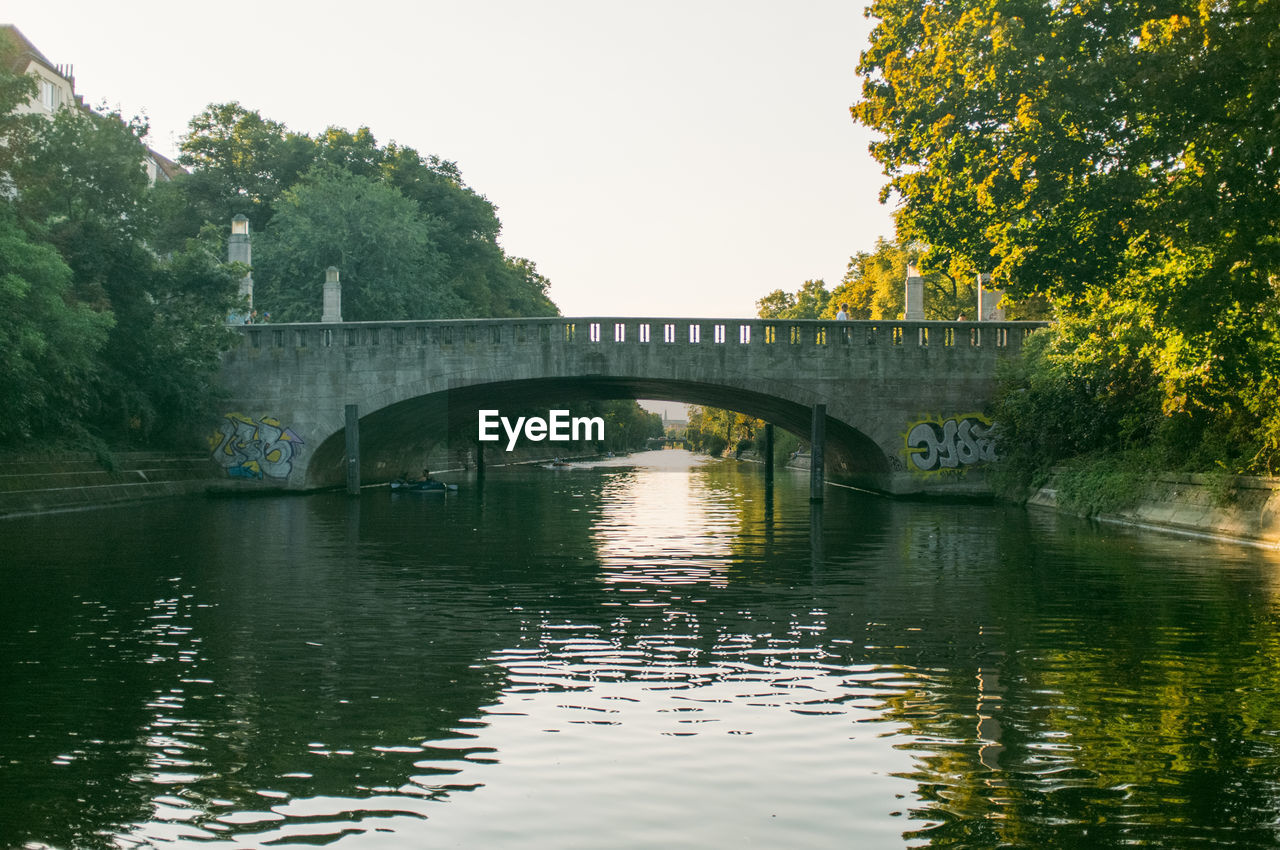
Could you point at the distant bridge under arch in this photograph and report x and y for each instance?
(906, 403)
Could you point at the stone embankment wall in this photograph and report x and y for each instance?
(1240, 508)
(70, 481)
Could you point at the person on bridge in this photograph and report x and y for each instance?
(843, 315)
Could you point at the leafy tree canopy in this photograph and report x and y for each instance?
(48, 342)
(808, 302)
(106, 338)
(379, 239)
(440, 239)
(874, 288)
(1067, 144)
(1120, 160)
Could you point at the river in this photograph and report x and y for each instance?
(652, 652)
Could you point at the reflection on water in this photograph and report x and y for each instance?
(653, 652)
(660, 529)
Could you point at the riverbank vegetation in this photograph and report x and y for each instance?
(104, 340)
(715, 431)
(1122, 165)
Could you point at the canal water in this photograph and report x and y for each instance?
(660, 651)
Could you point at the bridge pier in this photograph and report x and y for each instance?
(353, 449)
(817, 451)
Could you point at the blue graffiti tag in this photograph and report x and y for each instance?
(248, 448)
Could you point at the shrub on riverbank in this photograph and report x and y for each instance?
(1095, 400)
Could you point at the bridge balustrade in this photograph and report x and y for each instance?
(767, 334)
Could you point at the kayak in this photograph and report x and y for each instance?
(422, 486)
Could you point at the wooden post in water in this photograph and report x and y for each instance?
(353, 449)
(817, 446)
(768, 450)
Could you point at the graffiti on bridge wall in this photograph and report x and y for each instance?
(249, 448)
(935, 445)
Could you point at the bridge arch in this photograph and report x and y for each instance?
(398, 434)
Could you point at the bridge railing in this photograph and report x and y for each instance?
(771, 334)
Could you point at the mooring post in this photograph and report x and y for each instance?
(353, 449)
(817, 552)
(817, 440)
(768, 450)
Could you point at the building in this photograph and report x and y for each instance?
(57, 90)
(56, 83)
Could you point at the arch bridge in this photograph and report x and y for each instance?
(904, 405)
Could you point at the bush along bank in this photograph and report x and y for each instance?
(1092, 423)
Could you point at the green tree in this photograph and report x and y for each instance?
(241, 163)
(169, 368)
(809, 302)
(153, 325)
(874, 284)
(244, 163)
(80, 175)
(775, 305)
(489, 282)
(712, 429)
(378, 239)
(48, 342)
(1094, 153)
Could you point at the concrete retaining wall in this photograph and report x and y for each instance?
(1246, 509)
(71, 481)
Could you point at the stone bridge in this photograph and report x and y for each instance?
(904, 405)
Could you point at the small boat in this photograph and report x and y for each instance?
(558, 464)
(422, 486)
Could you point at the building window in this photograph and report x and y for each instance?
(50, 95)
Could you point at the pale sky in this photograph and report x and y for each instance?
(653, 158)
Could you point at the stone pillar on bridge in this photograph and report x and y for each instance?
(915, 295)
(238, 251)
(332, 296)
(989, 309)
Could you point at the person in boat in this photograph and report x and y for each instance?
(425, 478)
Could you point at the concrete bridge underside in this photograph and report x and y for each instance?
(905, 401)
(395, 436)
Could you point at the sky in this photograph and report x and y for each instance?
(652, 158)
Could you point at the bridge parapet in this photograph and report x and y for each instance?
(774, 335)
